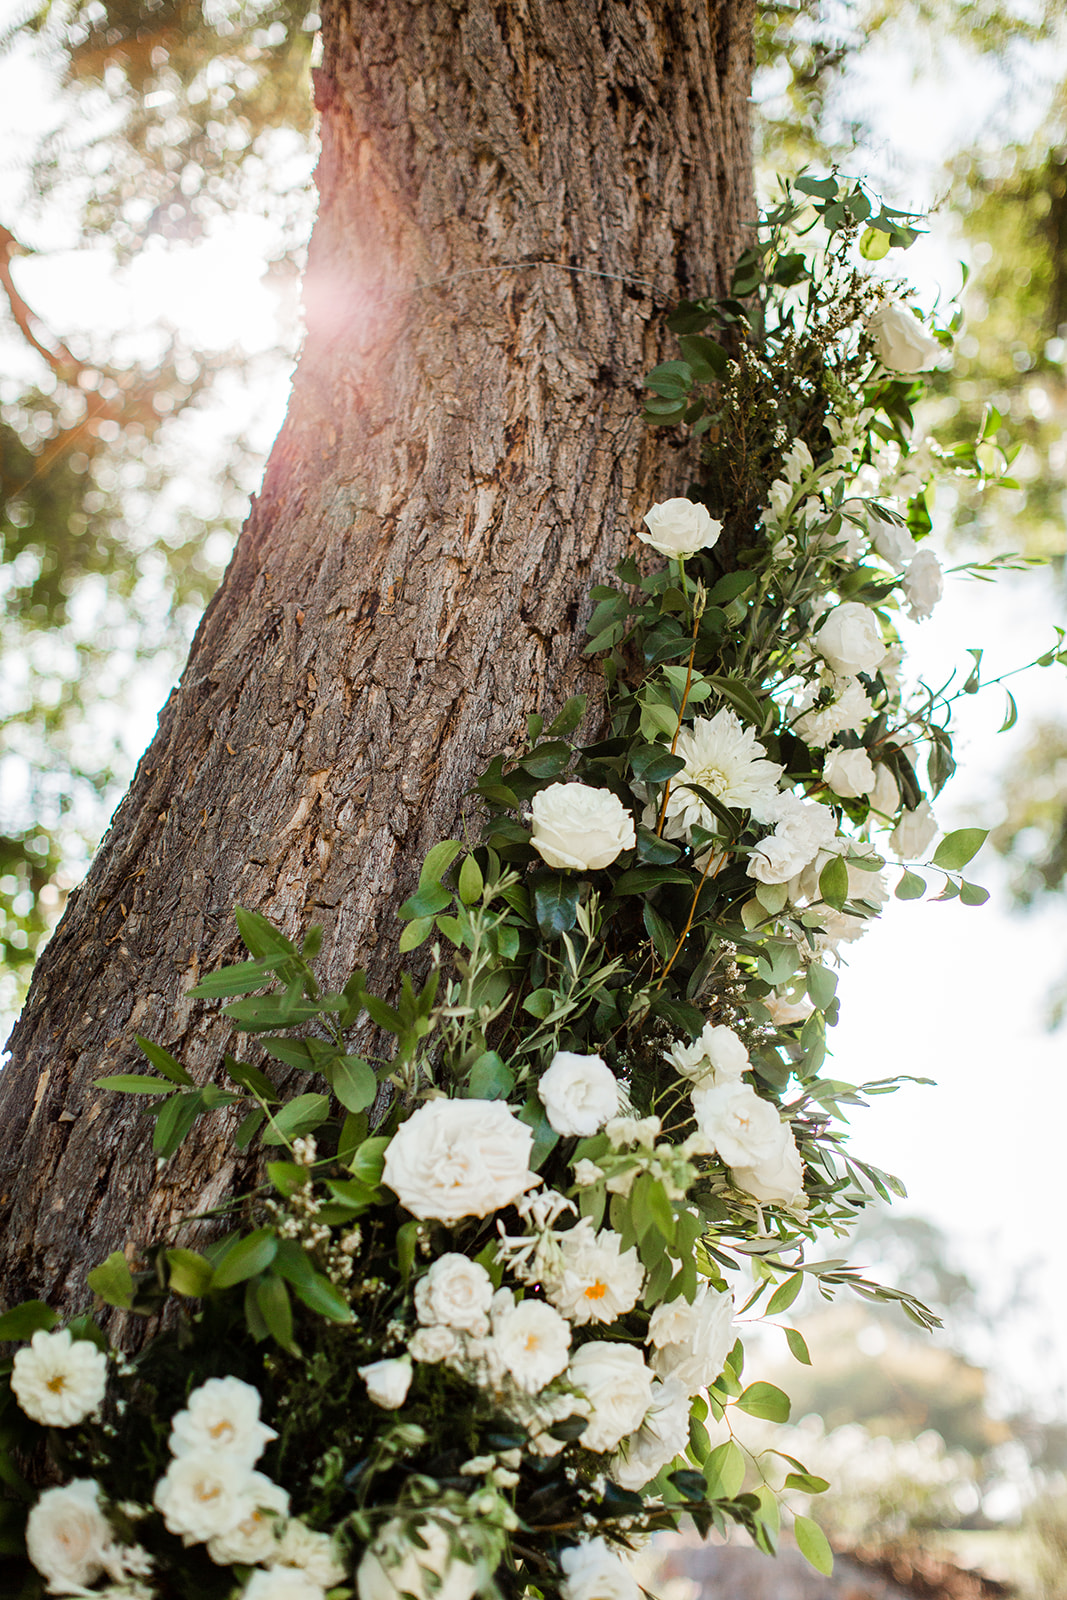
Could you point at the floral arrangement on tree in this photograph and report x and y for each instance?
(475, 1328)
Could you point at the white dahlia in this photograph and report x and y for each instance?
(728, 760)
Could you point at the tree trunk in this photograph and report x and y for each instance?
(511, 194)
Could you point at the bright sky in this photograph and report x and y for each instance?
(942, 991)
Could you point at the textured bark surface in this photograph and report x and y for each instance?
(509, 194)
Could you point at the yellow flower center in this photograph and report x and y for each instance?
(57, 1383)
(596, 1291)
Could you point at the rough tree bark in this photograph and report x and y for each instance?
(510, 193)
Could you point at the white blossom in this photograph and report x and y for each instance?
(577, 826)
(752, 1140)
(586, 1172)
(678, 528)
(692, 1340)
(728, 760)
(849, 712)
(885, 796)
(253, 1538)
(459, 1158)
(923, 584)
(597, 1280)
(716, 1055)
(594, 1572)
(579, 1093)
(68, 1537)
(663, 1435)
(283, 1583)
(914, 833)
(433, 1344)
(533, 1342)
(901, 343)
(203, 1494)
(614, 1379)
(222, 1416)
(388, 1381)
(58, 1380)
(393, 1566)
(315, 1553)
(850, 640)
(893, 542)
(455, 1292)
(849, 773)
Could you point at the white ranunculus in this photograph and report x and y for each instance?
(315, 1553)
(393, 1566)
(58, 1380)
(923, 584)
(253, 1539)
(579, 1093)
(850, 640)
(789, 1006)
(68, 1536)
(776, 859)
(203, 1494)
(914, 833)
(885, 796)
(663, 1435)
(222, 1415)
(678, 528)
(715, 1056)
(618, 1386)
(802, 830)
(848, 713)
(597, 1281)
(459, 1158)
(849, 773)
(901, 343)
(388, 1381)
(433, 1344)
(283, 1583)
(594, 1572)
(728, 760)
(455, 1291)
(692, 1341)
(533, 1341)
(745, 1129)
(577, 826)
(893, 542)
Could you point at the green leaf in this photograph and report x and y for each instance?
(261, 937)
(651, 763)
(190, 1274)
(270, 1011)
(353, 1082)
(416, 933)
(244, 1258)
(248, 1127)
(806, 1482)
(23, 1321)
(766, 1401)
(438, 861)
(956, 849)
(293, 1052)
(813, 1546)
(112, 1280)
(164, 1062)
(174, 1122)
(705, 359)
(298, 1117)
(367, 1163)
(490, 1078)
(1011, 714)
(972, 894)
(639, 880)
(569, 717)
(425, 903)
(821, 986)
(556, 904)
(545, 1136)
(785, 1294)
(241, 978)
(134, 1083)
(874, 244)
(671, 379)
(471, 882)
(910, 887)
(724, 1471)
(797, 1346)
(833, 882)
(276, 1309)
(246, 1076)
(741, 699)
(313, 1288)
(407, 1238)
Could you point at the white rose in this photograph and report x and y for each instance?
(316, 1553)
(394, 1567)
(388, 1381)
(203, 1494)
(577, 826)
(68, 1536)
(776, 1176)
(885, 796)
(848, 713)
(253, 1538)
(283, 1583)
(663, 1435)
(433, 1344)
(718, 1054)
(679, 528)
(579, 1093)
(222, 1415)
(692, 1341)
(618, 1386)
(901, 343)
(456, 1292)
(595, 1572)
(59, 1380)
(914, 833)
(744, 1127)
(849, 773)
(776, 859)
(893, 542)
(850, 639)
(789, 1006)
(459, 1158)
(533, 1341)
(597, 1281)
(923, 584)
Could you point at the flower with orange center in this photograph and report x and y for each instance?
(597, 1281)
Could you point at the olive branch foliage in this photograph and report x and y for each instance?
(521, 960)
